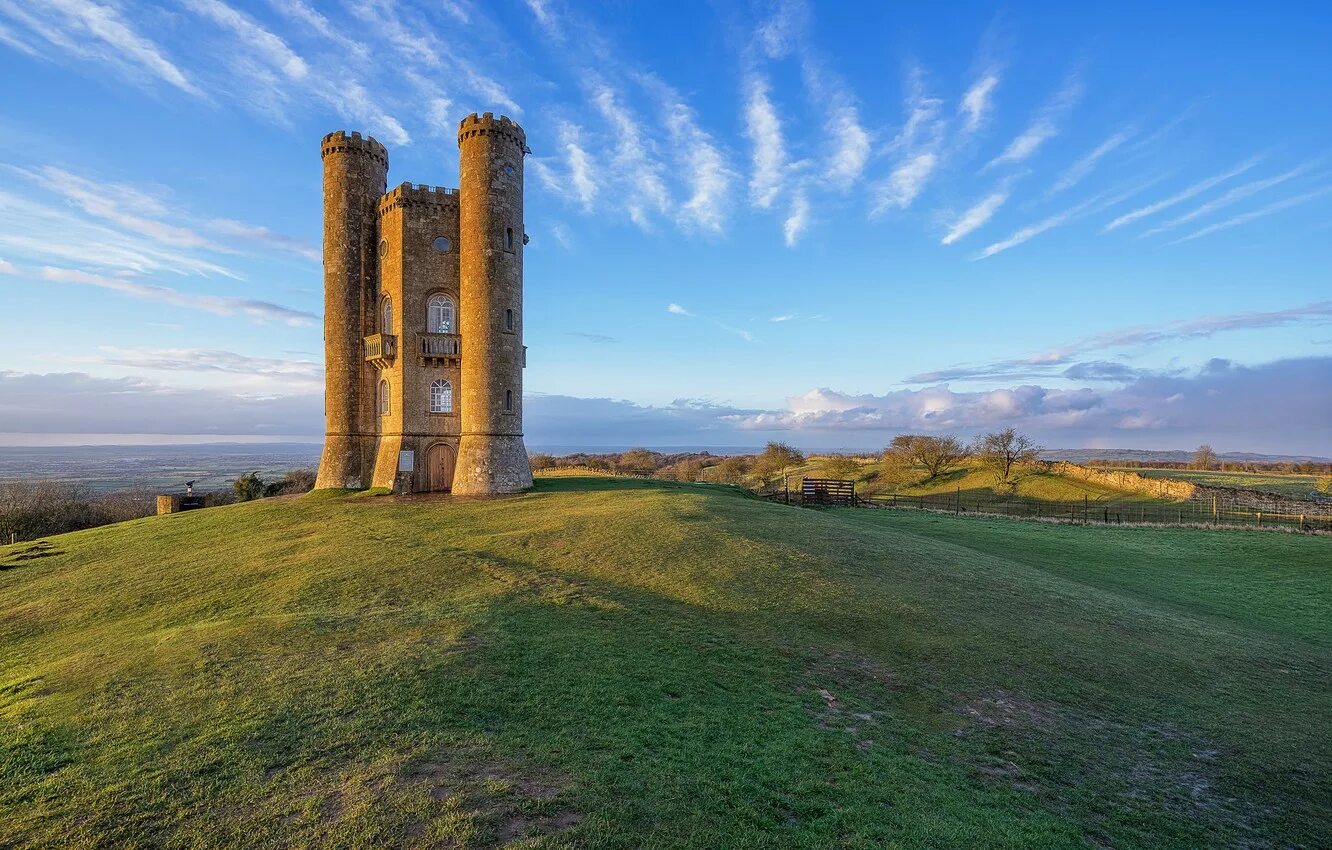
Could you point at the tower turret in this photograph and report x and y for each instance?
(355, 175)
(491, 455)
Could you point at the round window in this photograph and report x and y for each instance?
(508, 169)
(442, 244)
(383, 247)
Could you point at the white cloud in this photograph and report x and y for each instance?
(1270, 209)
(633, 159)
(264, 43)
(976, 103)
(355, 103)
(764, 129)
(1044, 127)
(41, 233)
(976, 216)
(906, 182)
(1043, 363)
(581, 174)
(1076, 172)
(6, 267)
(443, 123)
(1038, 228)
(303, 14)
(241, 372)
(254, 233)
(708, 176)
(677, 310)
(1196, 189)
(918, 143)
(797, 217)
(849, 141)
(1238, 193)
(122, 205)
(92, 31)
(220, 305)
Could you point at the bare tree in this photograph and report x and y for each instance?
(1004, 450)
(776, 458)
(1204, 457)
(936, 455)
(841, 466)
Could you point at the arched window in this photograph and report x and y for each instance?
(508, 238)
(386, 316)
(508, 401)
(384, 409)
(508, 319)
(440, 315)
(441, 397)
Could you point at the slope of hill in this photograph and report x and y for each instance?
(609, 663)
(970, 478)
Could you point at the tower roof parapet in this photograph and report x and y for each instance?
(488, 125)
(340, 141)
(408, 195)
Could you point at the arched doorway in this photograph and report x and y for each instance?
(439, 468)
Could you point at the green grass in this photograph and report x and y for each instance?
(1293, 486)
(610, 663)
(973, 480)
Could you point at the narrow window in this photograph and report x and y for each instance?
(508, 401)
(440, 315)
(386, 317)
(441, 397)
(384, 398)
(508, 238)
(508, 319)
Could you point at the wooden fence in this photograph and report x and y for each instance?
(1204, 511)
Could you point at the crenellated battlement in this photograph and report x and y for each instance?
(410, 195)
(340, 141)
(488, 125)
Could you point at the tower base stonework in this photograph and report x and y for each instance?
(491, 464)
(341, 466)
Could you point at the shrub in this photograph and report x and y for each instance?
(249, 487)
(541, 461)
(295, 482)
(32, 509)
(638, 462)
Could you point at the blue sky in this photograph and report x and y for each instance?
(825, 223)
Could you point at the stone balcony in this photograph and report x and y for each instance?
(381, 349)
(444, 347)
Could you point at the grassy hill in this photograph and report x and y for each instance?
(610, 663)
(1282, 484)
(971, 478)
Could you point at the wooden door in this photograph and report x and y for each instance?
(439, 466)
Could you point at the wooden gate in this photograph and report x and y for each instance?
(439, 467)
(828, 491)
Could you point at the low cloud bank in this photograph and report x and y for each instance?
(1284, 406)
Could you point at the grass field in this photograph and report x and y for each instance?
(1293, 486)
(612, 663)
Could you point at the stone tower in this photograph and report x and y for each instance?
(423, 319)
(355, 172)
(491, 455)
